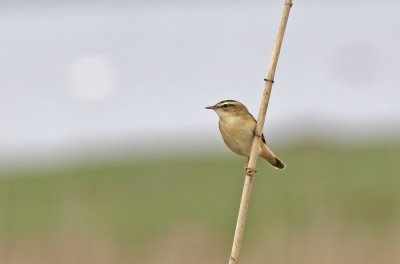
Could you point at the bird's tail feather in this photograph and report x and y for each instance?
(267, 154)
(278, 164)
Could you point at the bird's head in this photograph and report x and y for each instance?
(229, 108)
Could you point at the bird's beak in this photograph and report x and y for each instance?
(211, 107)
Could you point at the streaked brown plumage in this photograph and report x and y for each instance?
(237, 128)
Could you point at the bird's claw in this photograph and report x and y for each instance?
(249, 171)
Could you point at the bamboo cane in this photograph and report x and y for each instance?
(251, 166)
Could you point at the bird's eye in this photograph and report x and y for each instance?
(225, 106)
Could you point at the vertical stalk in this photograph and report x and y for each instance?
(251, 166)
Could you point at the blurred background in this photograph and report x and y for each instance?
(107, 154)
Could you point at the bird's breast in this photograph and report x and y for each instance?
(237, 134)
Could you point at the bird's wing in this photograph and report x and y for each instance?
(263, 138)
(262, 135)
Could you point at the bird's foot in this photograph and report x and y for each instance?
(250, 171)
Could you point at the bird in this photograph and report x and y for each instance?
(237, 127)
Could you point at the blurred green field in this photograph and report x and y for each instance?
(331, 205)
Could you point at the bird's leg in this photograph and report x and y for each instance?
(255, 134)
(247, 170)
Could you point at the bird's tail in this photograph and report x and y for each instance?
(267, 154)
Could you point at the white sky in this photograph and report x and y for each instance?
(76, 76)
